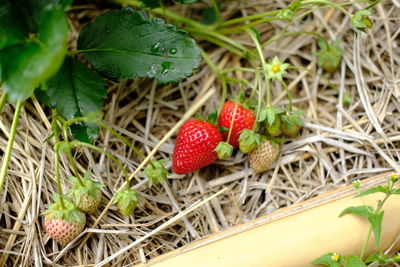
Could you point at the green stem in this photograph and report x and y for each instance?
(277, 37)
(224, 91)
(232, 121)
(58, 176)
(247, 18)
(166, 13)
(344, 11)
(3, 101)
(239, 29)
(289, 94)
(77, 143)
(238, 69)
(264, 66)
(122, 139)
(56, 131)
(7, 156)
(220, 37)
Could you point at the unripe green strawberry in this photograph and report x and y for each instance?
(127, 200)
(86, 193)
(263, 156)
(274, 128)
(291, 125)
(64, 222)
(248, 141)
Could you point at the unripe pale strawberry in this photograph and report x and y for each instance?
(64, 222)
(86, 193)
(263, 156)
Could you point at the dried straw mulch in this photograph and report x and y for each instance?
(338, 143)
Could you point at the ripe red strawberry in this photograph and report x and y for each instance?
(244, 119)
(86, 193)
(194, 147)
(64, 223)
(263, 156)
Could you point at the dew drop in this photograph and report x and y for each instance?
(165, 67)
(173, 51)
(155, 48)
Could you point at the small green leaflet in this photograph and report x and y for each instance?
(363, 211)
(376, 223)
(353, 261)
(210, 15)
(382, 189)
(24, 64)
(328, 260)
(124, 44)
(76, 91)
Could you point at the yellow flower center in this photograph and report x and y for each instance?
(395, 176)
(335, 257)
(275, 68)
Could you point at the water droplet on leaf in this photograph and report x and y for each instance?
(155, 48)
(173, 51)
(165, 67)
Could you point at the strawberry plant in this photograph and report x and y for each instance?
(41, 61)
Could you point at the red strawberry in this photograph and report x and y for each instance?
(64, 222)
(194, 147)
(244, 119)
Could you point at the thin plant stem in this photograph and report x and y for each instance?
(247, 18)
(289, 94)
(328, 3)
(264, 66)
(232, 121)
(3, 101)
(58, 176)
(11, 138)
(122, 139)
(238, 29)
(77, 143)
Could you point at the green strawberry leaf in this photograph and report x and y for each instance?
(363, 211)
(42, 54)
(12, 30)
(354, 261)
(124, 44)
(256, 33)
(329, 259)
(382, 189)
(376, 223)
(210, 15)
(212, 116)
(76, 91)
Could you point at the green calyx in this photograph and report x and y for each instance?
(360, 20)
(127, 201)
(249, 140)
(65, 210)
(329, 55)
(86, 187)
(156, 172)
(224, 150)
